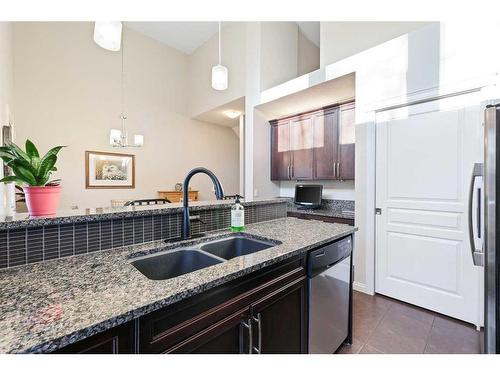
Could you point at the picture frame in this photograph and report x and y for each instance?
(108, 170)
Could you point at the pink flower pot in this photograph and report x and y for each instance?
(42, 200)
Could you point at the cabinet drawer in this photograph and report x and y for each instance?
(164, 329)
(226, 336)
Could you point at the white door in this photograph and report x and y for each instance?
(425, 155)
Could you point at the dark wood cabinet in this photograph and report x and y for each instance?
(318, 145)
(276, 323)
(325, 144)
(227, 336)
(281, 158)
(346, 143)
(301, 146)
(280, 321)
(117, 340)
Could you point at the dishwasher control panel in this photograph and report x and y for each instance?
(330, 254)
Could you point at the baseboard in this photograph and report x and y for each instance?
(360, 287)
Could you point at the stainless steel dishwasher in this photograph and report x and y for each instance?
(329, 271)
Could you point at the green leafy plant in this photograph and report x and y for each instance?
(28, 167)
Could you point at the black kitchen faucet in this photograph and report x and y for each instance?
(219, 193)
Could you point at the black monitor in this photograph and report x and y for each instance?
(308, 196)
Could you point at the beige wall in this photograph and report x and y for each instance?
(202, 97)
(6, 72)
(339, 40)
(278, 53)
(67, 91)
(307, 55)
(6, 90)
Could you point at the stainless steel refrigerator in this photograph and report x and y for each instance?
(484, 220)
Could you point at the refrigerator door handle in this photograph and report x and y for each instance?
(476, 215)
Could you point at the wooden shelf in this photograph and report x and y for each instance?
(176, 196)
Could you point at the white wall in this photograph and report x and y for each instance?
(67, 91)
(433, 60)
(339, 40)
(307, 55)
(6, 87)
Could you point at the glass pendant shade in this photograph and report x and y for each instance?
(115, 137)
(108, 35)
(219, 77)
(138, 140)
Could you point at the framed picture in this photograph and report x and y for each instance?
(106, 170)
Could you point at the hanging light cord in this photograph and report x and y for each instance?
(220, 43)
(123, 117)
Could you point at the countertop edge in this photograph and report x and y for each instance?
(9, 222)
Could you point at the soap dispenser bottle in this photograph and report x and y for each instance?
(237, 216)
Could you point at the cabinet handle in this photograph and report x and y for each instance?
(247, 325)
(289, 177)
(338, 170)
(334, 169)
(291, 173)
(259, 329)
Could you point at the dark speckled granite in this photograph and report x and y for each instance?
(329, 207)
(49, 305)
(23, 220)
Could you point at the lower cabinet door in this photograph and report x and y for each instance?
(279, 320)
(230, 335)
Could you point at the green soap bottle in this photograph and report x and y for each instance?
(237, 216)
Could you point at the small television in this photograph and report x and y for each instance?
(308, 196)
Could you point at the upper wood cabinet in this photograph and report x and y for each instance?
(301, 146)
(326, 144)
(318, 145)
(281, 158)
(346, 142)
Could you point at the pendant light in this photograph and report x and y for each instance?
(117, 137)
(108, 35)
(219, 71)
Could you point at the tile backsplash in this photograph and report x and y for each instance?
(38, 244)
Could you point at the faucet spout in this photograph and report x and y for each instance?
(219, 193)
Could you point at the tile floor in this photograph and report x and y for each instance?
(383, 325)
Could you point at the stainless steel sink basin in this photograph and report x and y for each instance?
(235, 246)
(172, 264)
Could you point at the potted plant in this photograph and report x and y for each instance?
(32, 172)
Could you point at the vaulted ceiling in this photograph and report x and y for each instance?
(188, 36)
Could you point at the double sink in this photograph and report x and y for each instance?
(173, 263)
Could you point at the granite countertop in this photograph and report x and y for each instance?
(326, 211)
(48, 305)
(23, 220)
